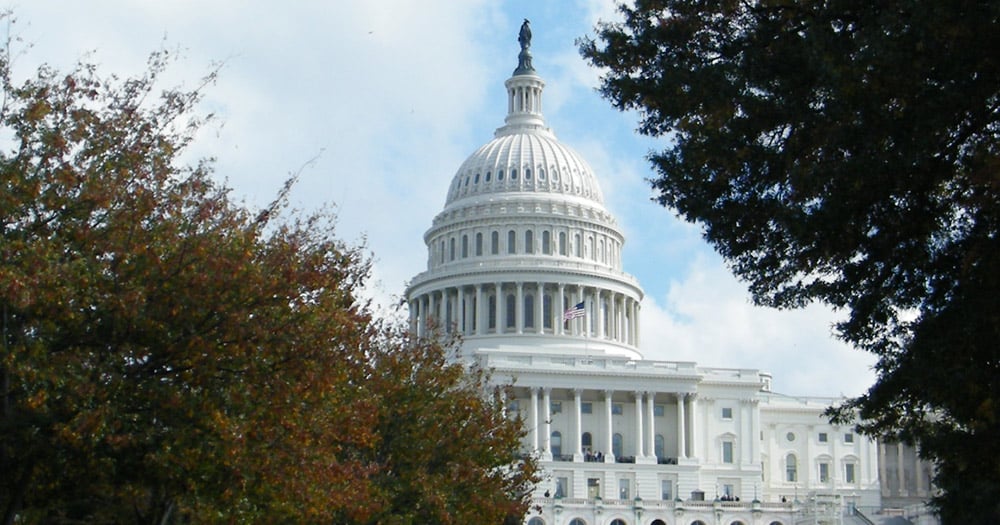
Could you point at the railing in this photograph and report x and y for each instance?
(860, 515)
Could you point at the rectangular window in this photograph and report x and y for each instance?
(556, 407)
(848, 438)
(616, 409)
(727, 413)
(822, 437)
(824, 472)
(666, 490)
(513, 406)
(728, 490)
(593, 488)
(727, 452)
(849, 473)
(586, 407)
(623, 486)
(658, 410)
(561, 485)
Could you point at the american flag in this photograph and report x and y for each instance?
(574, 312)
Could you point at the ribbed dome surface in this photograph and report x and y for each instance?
(529, 161)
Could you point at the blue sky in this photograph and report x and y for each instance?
(389, 98)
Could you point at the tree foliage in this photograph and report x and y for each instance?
(170, 356)
(845, 151)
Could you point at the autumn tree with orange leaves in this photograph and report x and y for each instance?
(171, 356)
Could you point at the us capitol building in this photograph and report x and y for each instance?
(524, 261)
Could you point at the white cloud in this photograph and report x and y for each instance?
(707, 317)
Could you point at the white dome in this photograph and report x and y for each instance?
(524, 254)
(529, 162)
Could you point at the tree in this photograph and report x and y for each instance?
(845, 152)
(168, 355)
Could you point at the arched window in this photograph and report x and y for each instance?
(546, 242)
(465, 246)
(451, 249)
(775, 523)
(587, 441)
(529, 242)
(495, 243)
(697, 522)
(479, 244)
(488, 175)
(791, 469)
(578, 245)
(562, 243)
(511, 242)
(513, 174)
(658, 522)
(617, 522)
(556, 444)
(577, 521)
(511, 316)
(658, 446)
(616, 445)
(737, 523)
(441, 252)
(536, 521)
(499, 174)
(527, 173)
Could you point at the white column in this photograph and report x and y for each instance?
(600, 313)
(638, 425)
(635, 322)
(539, 308)
(882, 472)
(481, 312)
(627, 321)
(519, 309)
(755, 432)
(609, 456)
(681, 431)
(498, 313)
(578, 438)
(901, 470)
(693, 430)
(533, 424)
(432, 314)
(650, 425)
(746, 422)
(547, 422)
(622, 304)
(558, 323)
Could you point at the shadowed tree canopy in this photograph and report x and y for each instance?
(845, 152)
(171, 356)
